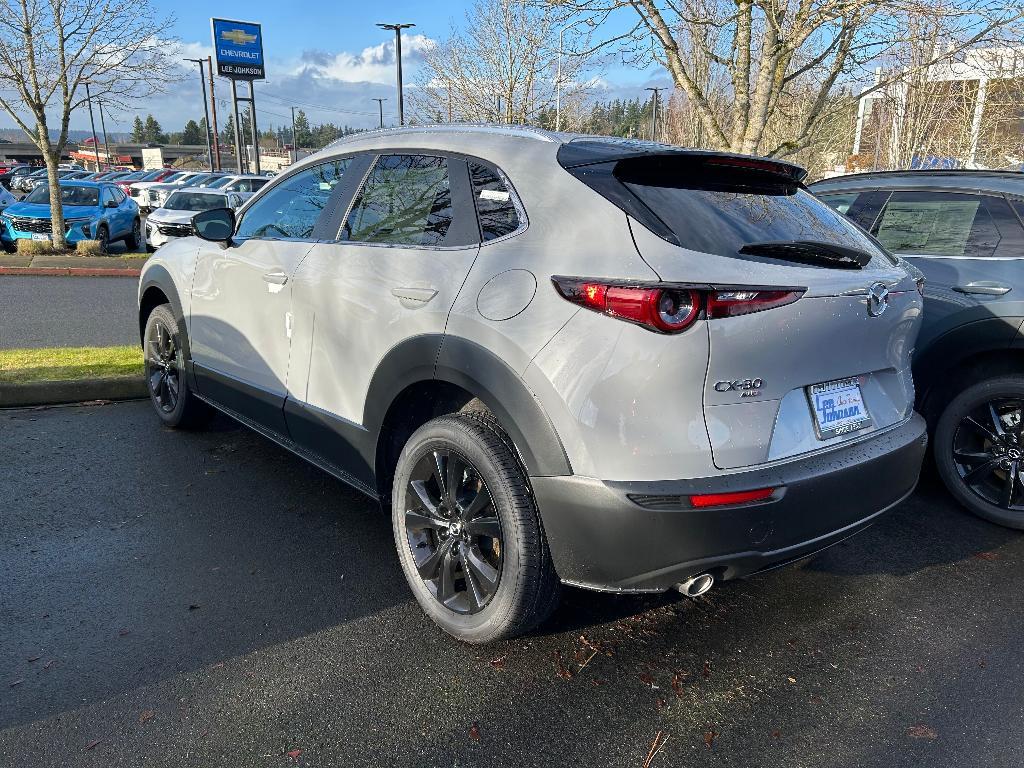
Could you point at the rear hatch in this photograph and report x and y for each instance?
(788, 379)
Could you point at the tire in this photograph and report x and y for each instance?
(165, 350)
(134, 240)
(520, 589)
(980, 456)
(103, 237)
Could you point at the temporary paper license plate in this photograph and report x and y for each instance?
(838, 407)
(40, 236)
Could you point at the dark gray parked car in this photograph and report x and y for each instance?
(964, 231)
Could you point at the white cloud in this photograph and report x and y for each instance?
(375, 64)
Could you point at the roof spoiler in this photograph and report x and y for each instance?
(583, 152)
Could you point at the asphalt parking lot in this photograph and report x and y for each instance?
(174, 599)
(68, 311)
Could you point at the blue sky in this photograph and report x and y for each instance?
(321, 57)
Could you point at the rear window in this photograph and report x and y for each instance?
(719, 210)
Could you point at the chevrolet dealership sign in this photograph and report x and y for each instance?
(239, 49)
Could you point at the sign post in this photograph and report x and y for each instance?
(238, 47)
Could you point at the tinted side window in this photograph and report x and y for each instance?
(293, 207)
(119, 195)
(406, 200)
(108, 196)
(494, 206)
(937, 224)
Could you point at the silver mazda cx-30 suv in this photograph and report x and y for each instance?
(555, 358)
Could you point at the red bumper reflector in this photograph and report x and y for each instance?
(725, 499)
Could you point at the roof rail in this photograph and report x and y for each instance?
(521, 131)
(928, 171)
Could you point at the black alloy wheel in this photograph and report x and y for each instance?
(453, 531)
(988, 451)
(164, 365)
(978, 444)
(103, 238)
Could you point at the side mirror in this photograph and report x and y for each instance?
(216, 225)
(110, 204)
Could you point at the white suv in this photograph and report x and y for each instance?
(557, 359)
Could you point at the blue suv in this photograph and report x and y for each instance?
(92, 211)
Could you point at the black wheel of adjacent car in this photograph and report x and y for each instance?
(979, 449)
(164, 350)
(134, 240)
(103, 238)
(468, 532)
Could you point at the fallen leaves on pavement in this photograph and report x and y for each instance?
(709, 738)
(922, 731)
(92, 744)
(474, 731)
(146, 716)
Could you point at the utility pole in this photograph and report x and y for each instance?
(380, 106)
(213, 108)
(206, 108)
(92, 122)
(654, 111)
(398, 60)
(295, 141)
(103, 125)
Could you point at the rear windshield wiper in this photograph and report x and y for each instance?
(810, 252)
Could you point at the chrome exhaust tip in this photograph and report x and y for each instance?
(695, 586)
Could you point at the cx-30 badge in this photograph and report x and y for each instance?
(746, 387)
(878, 299)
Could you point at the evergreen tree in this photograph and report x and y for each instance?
(192, 134)
(138, 131)
(303, 134)
(153, 132)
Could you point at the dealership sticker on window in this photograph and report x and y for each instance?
(496, 195)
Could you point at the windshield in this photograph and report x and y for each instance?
(216, 183)
(69, 195)
(201, 179)
(151, 175)
(183, 200)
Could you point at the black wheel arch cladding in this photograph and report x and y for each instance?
(482, 374)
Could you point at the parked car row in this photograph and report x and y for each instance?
(555, 359)
(98, 211)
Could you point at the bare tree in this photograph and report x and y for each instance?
(783, 60)
(510, 64)
(50, 48)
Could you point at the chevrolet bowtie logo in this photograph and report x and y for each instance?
(238, 36)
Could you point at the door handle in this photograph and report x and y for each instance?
(422, 295)
(275, 278)
(983, 288)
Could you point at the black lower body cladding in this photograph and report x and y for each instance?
(602, 538)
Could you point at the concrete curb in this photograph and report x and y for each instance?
(82, 390)
(69, 272)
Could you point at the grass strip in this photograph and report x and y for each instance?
(19, 366)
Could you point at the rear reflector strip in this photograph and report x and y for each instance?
(727, 499)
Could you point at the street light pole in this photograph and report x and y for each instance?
(103, 125)
(654, 111)
(206, 108)
(92, 122)
(380, 106)
(398, 60)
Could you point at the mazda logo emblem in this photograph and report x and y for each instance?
(878, 299)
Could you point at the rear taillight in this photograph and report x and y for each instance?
(666, 307)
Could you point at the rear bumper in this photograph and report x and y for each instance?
(645, 537)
